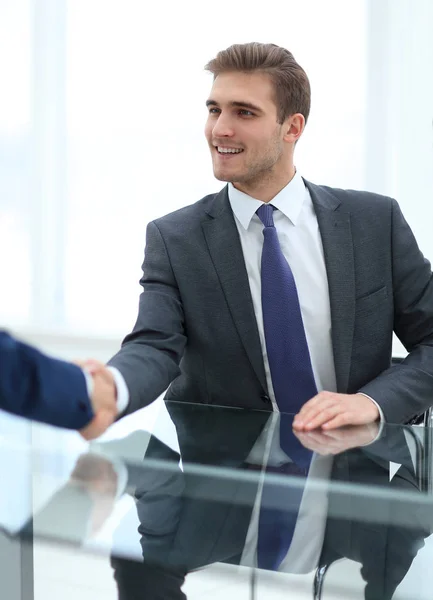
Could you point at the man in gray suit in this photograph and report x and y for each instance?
(359, 273)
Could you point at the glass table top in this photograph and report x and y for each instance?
(184, 487)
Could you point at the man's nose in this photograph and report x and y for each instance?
(223, 127)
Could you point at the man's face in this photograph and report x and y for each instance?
(242, 131)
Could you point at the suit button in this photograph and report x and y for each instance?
(83, 405)
(265, 399)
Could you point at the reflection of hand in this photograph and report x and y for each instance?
(338, 440)
(95, 473)
(331, 410)
(97, 476)
(104, 399)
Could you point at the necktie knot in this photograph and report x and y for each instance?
(265, 214)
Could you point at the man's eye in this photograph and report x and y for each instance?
(246, 113)
(213, 111)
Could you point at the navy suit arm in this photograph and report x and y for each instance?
(41, 388)
(406, 389)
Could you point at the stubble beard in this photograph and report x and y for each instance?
(259, 172)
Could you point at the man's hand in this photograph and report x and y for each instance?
(104, 399)
(338, 440)
(330, 410)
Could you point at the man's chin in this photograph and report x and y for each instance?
(223, 177)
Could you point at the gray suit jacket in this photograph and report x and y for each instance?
(196, 327)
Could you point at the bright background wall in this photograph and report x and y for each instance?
(101, 130)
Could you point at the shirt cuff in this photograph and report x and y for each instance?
(89, 383)
(122, 390)
(381, 415)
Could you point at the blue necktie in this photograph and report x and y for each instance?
(286, 344)
(293, 383)
(280, 501)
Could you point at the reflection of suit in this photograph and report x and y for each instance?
(189, 519)
(182, 526)
(196, 308)
(385, 548)
(41, 388)
(193, 495)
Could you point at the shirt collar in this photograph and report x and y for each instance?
(289, 201)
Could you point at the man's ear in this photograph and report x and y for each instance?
(294, 127)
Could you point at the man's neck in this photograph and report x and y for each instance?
(265, 190)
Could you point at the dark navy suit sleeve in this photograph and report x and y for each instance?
(44, 389)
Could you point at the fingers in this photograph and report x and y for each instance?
(104, 403)
(90, 364)
(317, 411)
(321, 419)
(104, 397)
(104, 393)
(104, 390)
(94, 366)
(338, 421)
(319, 442)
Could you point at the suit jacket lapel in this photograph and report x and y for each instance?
(225, 248)
(335, 229)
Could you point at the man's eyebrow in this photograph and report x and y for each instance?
(236, 104)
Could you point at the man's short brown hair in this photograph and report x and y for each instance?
(291, 84)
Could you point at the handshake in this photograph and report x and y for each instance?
(103, 398)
